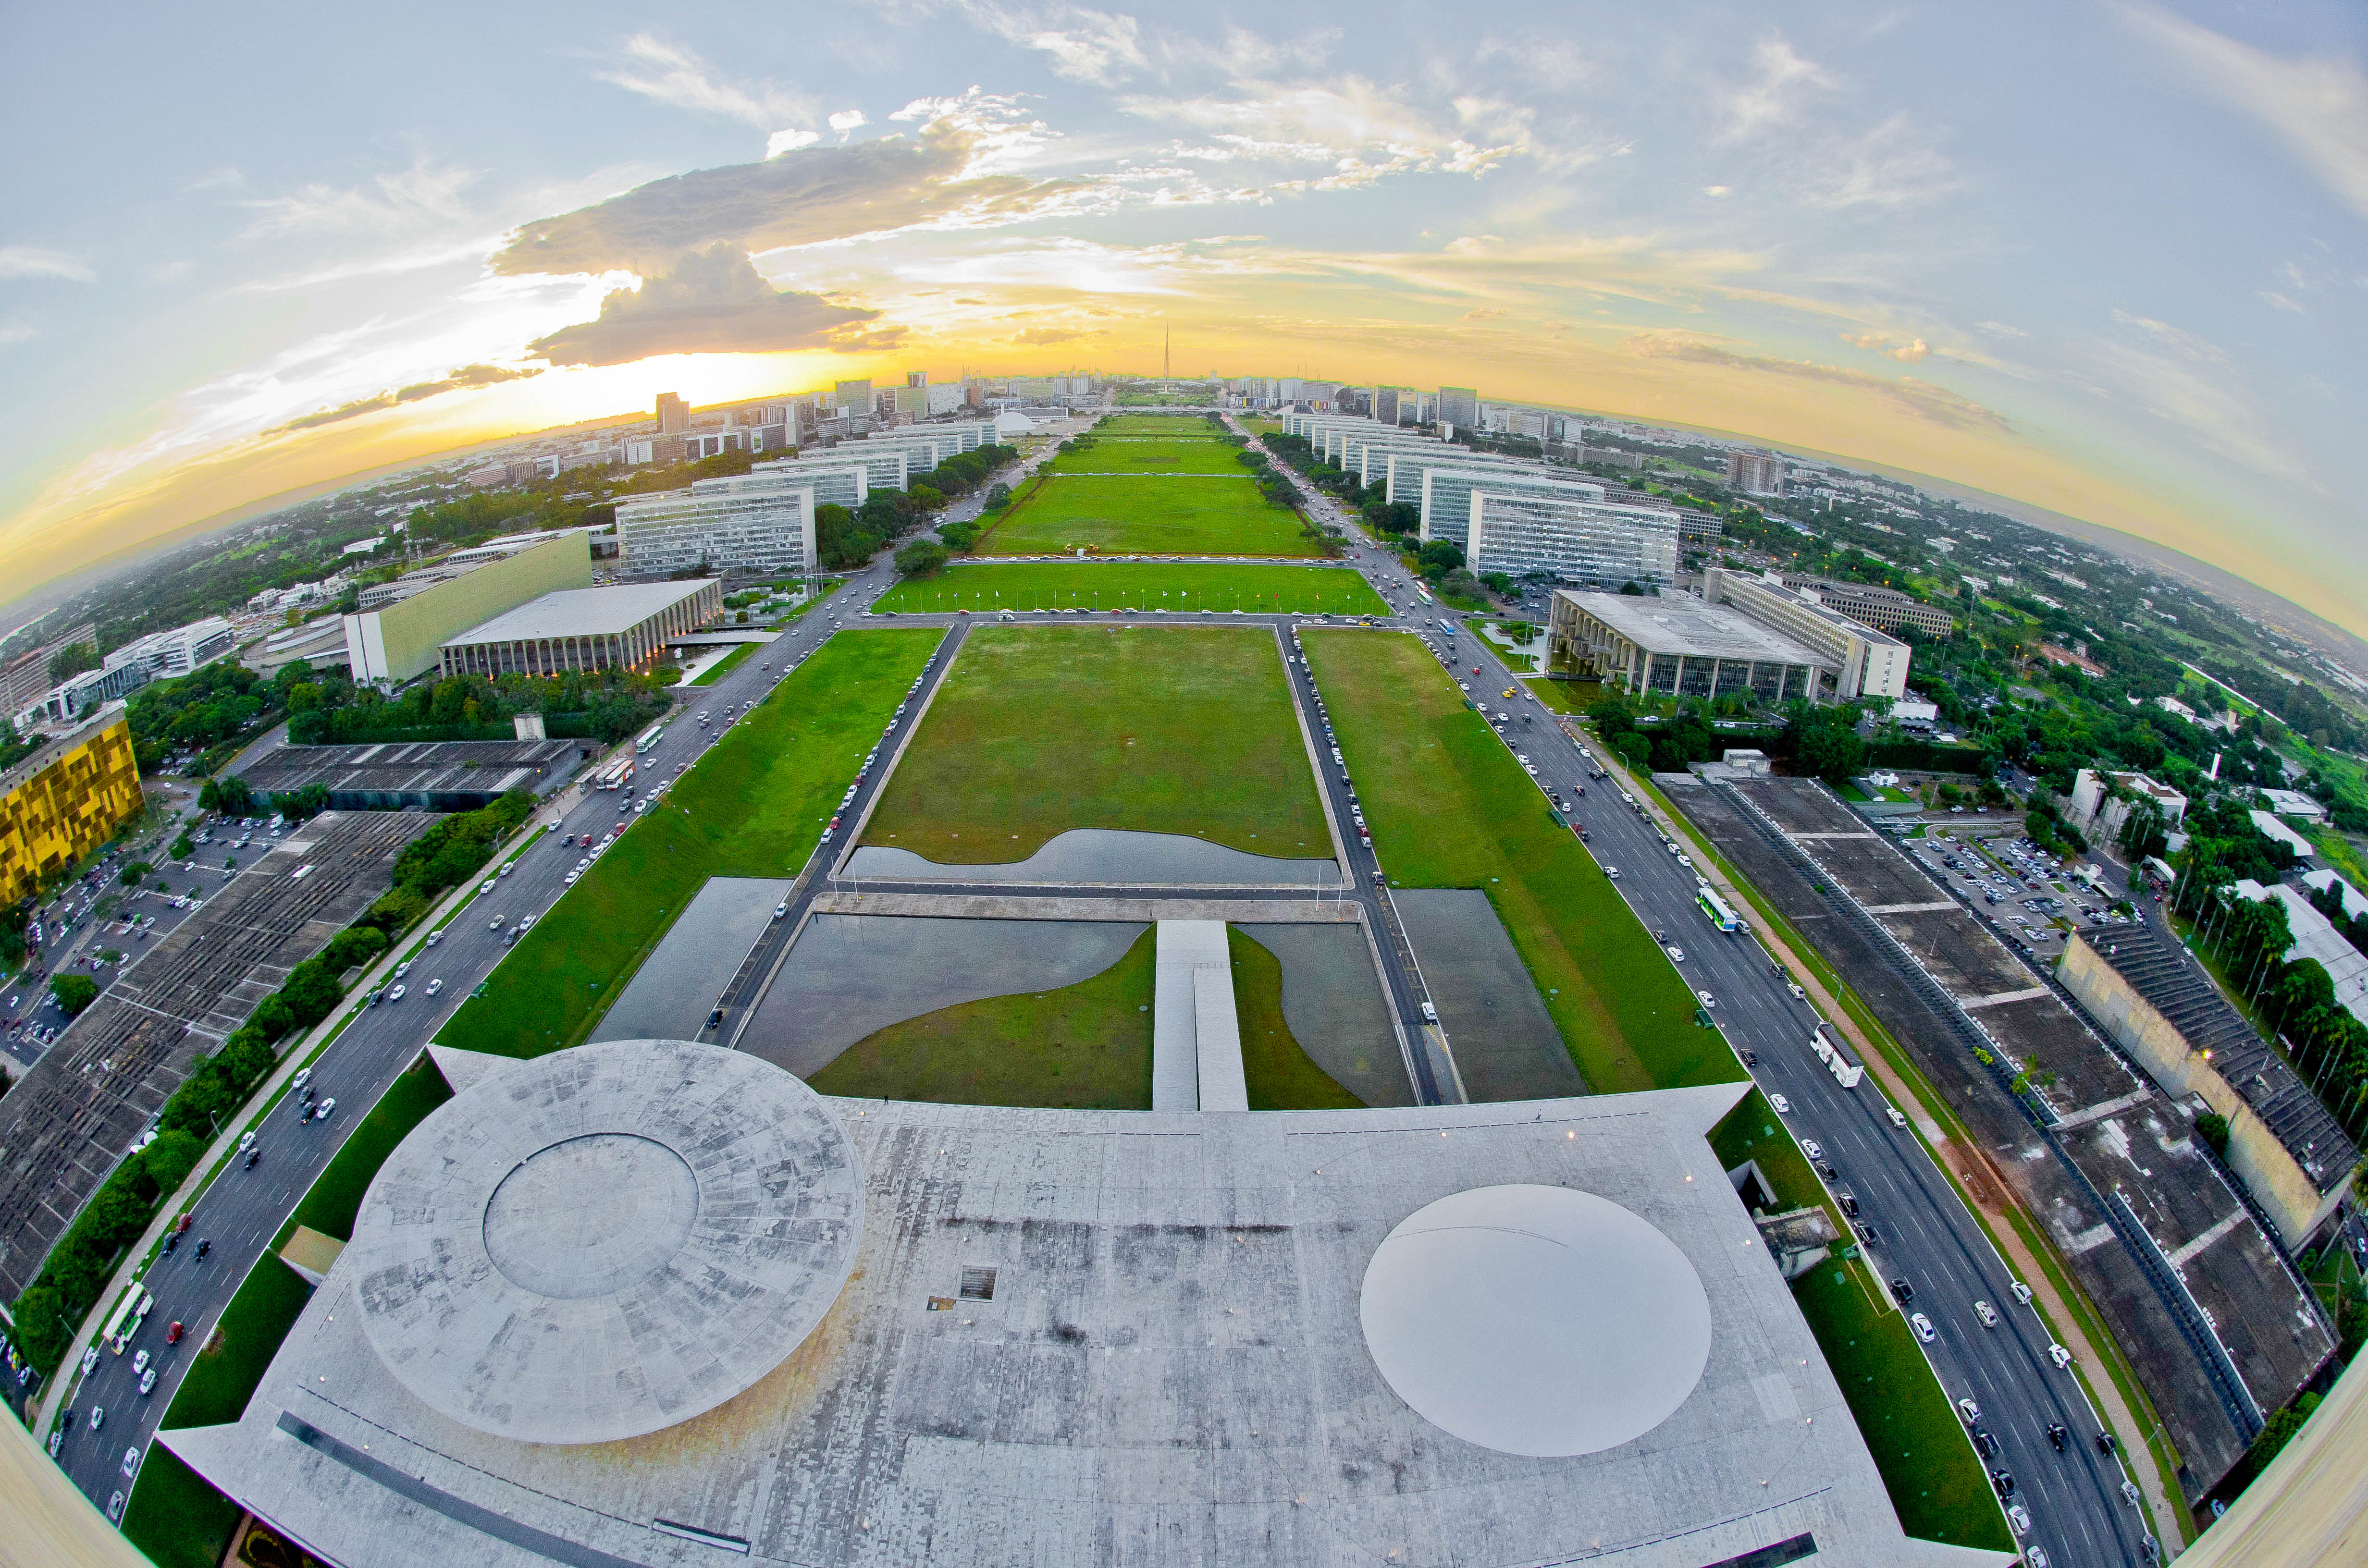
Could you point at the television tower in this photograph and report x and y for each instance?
(1164, 374)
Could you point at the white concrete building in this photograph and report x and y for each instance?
(719, 525)
(1572, 538)
(163, 654)
(1684, 647)
(1866, 663)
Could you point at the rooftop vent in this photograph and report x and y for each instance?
(978, 1284)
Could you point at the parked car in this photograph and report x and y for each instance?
(1782, 1106)
(1923, 1328)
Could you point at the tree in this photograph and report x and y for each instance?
(74, 992)
(131, 875)
(922, 558)
(2212, 1128)
(1832, 752)
(1437, 558)
(228, 795)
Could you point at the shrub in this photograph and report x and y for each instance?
(2212, 1128)
(74, 992)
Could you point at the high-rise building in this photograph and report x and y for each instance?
(726, 524)
(61, 802)
(1385, 404)
(912, 398)
(916, 378)
(1755, 473)
(1458, 406)
(853, 397)
(1573, 539)
(674, 414)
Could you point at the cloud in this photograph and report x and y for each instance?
(1483, 315)
(30, 261)
(2180, 341)
(1084, 45)
(713, 302)
(17, 331)
(680, 79)
(421, 193)
(1039, 337)
(1890, 165)
(462, 379)
(1780, 82)
(789, 141)
(1935, 405)
(848, 120)
(802, 198)
(1363, 131)
(2320, 105)
(1910, 352)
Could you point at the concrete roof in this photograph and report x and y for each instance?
(579, 612)
(1077, 1337)
(605, 1241)
(1682, 624)
(1535, 1320)
(2273, 829)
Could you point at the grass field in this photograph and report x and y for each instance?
(753, 806)
(1156, 424)
(1279, 1072)
(1567, 696)
(173, 1514)
(1133, 455)
(1038, 729)
(1257, 587)
(1935, 1479)
(725, 665)
(1450, 808)
(1084, 1047)
(1129, 515)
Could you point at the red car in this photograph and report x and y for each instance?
(173, 1334)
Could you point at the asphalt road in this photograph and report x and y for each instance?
(1924, 1234)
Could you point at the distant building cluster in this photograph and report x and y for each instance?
(34, 701)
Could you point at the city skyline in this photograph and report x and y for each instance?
(2116, 279)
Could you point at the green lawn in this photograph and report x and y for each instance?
(1136, 455)
(1449, 807)
(753, 806)
(1128, 515)
(1567, 696)
(1279, 1072)
(1259, 587)
(1085, 1047)
(725, 665)
(1040, 728)
(173, 1514)
(1935, 1479)
(1156, 424)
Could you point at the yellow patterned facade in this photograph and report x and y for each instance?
(65, 801)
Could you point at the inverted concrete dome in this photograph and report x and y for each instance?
(1535, 1320)
(606, 1240)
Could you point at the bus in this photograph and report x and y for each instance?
(613, 777)
(1716, 908)
(649, 737)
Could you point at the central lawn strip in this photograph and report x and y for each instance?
(1156, 424)
(1038, 729)
(1185, 587)
(1450, 809)
(1279, 1072)
(1933, 1475)
(752, 806)
(1146, 514)
(1083, 1047)
(173, 1514)
(1135, 455)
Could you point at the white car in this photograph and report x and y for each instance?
(435, 985)
(1612, 872)
(1897, 1117)
(1706, 999)
(1970, 1411)
(115, 1508)
(571, 876)
(1812, 1147)
(1923, 1328)
(403, 969)
(395, 995)
(1988, 1313)
(1677, 954)
(1798, 995)
(2021, 1292)
(495, 925)
(140, 1362)
(2020, 1517)
(2061, 1357)
(485, 886)
(1784, 1106)
(131, 1463)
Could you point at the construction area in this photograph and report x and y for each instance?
(81, 1109)
(2184, 1266)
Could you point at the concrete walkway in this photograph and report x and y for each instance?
(1196, 1036)
(1105, 858)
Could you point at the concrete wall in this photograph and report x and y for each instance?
(2269, 1173)
(407, 637)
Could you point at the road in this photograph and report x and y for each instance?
(1924, 1234)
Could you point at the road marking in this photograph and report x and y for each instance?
(1999, 998)
(1911, 908)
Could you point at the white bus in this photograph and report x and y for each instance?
(613, 777)
(1716, 908)
(649, 737)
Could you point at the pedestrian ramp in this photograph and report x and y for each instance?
(1196, 1037)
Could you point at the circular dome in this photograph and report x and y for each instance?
(1535, 1320)
(605, 1241)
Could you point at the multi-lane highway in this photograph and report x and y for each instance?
(1922, 1232)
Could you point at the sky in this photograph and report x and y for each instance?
(2106, 258)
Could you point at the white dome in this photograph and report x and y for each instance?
(1535, 1320)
